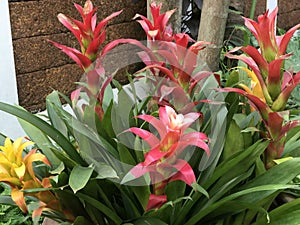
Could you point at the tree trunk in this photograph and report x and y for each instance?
(169, 5)
(212, 28)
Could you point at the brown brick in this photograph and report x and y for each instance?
(289, 6)
(125, 30)
(34, 18)
(36, 53)
(34, 87)
(288, 19)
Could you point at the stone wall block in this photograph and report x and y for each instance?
(35, 18)
(288, 19)
(34, 87)
(36, 53)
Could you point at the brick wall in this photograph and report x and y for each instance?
(40, 67)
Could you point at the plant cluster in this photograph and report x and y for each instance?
(173, 146)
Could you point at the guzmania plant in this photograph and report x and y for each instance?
(164, 149)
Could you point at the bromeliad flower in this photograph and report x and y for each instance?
(255, 88)
(267, 63)
(273, 85)
(162, 161)
(89, 34)
(271, 46)
(179, 62)
(159, 30)
(16, 170)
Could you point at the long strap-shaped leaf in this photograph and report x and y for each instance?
(46, 128)
(103, 208)
(270, 187)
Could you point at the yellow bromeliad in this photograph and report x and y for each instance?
(255, 87)
(17, 171)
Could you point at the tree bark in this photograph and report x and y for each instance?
(212, 28)
(169, 5)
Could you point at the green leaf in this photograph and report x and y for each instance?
(2, 139)
(125, 155)
(245, 159)
(250, 129)
(279, 174)
(289, 218)
(142, 193)
(6, 200)
(79, 177)
(80, 220)
(200, 189)
(108, 97)
(234, 140)
(45, 128)
(270, 187)
(88, 134)
(281, 212)
(233, 79)
(56, 121)
(104, 171)
(63, 157)
(58, 169)
(149, 221)
(235, 169)
(41, 140)
(100, 206)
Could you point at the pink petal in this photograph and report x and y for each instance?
(163, 69)
(155, 9)
(274, 74)
(249, 23)
(114, 43)
(103, 87)
(189, 119)
(146, 23)
(156, 201)
(256, 102)
(139, 170)
(284, 41)
(94, 22)
(185, 172)
(158, 125)
(83, 61)
(163, 19)
(163, 116)
(249, 61)
(153, 156)
(103, 22)
(196, 139)
(287, 77)
(146, 135)
(79, 9)
(170, 57)
(75, 95)
(286, 92)
(68, 23)
(257, 57)
(288, 126)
